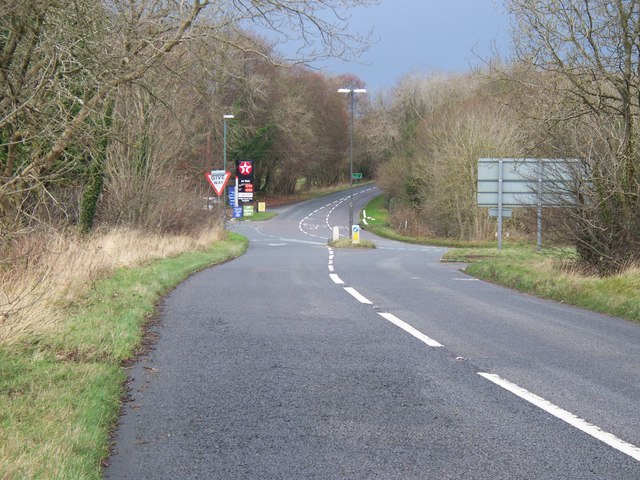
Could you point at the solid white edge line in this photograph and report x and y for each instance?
(409, 329)
(568, 417)
(336, 279)
(352, 291)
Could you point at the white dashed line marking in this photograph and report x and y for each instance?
(336, 279)
(568, 417)
(409, 329)
(352, 291)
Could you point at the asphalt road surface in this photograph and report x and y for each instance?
(297, 361)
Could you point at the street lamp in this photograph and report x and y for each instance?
(351, 92)
(224, 166)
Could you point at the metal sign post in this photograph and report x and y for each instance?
(526, 182)
(539, 214)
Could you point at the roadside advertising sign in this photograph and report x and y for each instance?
(247, 210)
(244, 172)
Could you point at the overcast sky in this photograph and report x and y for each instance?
(425, 36)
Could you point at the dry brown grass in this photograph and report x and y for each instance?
(42, 272)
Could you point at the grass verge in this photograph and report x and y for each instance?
(347, 243)
(260, 216)
(552, 275)
(60, 392)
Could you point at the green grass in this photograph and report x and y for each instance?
(347, 243)
(511, 251)
(60, 394)
(376, 214)
(260, 216)
(553, 274)
(550, 275)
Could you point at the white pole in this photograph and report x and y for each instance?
(500, 179)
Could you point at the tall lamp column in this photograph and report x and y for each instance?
(351, 92)
(224, 167)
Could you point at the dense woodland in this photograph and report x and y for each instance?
(110, 110)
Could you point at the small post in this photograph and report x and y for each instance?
(355, 233)
(539, 229)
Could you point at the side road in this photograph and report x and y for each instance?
(551, 273)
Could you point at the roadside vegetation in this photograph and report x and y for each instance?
(61, 365)
(376, 218)
(259, 216)
(569, 92)
(559, 276)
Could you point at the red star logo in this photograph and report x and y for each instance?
(245, 168)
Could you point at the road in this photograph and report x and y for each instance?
(297, 361)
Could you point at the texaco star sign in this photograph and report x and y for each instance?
(245, 168)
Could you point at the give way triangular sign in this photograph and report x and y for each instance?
(218, 180)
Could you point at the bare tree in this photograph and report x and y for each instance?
(585, 56)
(442, 125)
(63, 63)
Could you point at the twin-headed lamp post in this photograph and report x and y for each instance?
(351, 92)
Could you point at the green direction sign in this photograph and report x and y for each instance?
(356, 176)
